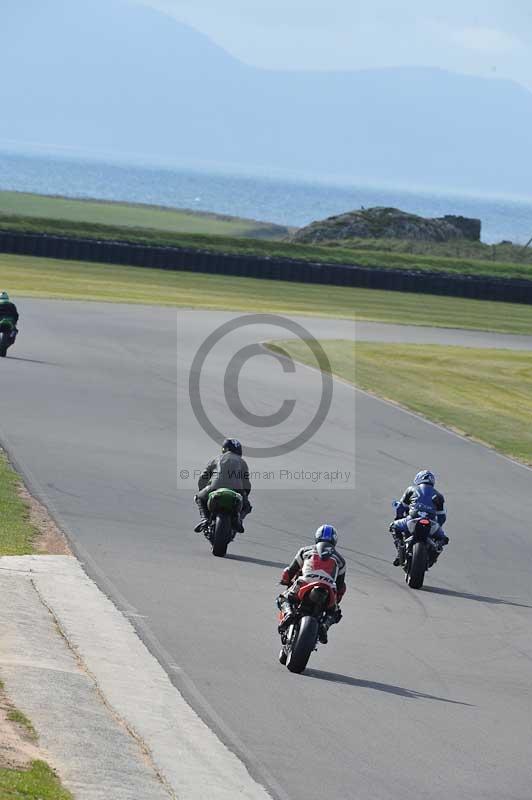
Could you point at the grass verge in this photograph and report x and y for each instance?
(456, 386)
(57, 210)
(21, 719)
(17, 534)
(38, 782)
(74, 280)
(462, 258)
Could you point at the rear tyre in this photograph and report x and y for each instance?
(418, 566)
(222, 535)
(4, 344)
(303, 645)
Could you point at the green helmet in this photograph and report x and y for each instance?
(4, 297)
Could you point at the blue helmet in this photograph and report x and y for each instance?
(425, 476)
(233, 445)
(326, 533)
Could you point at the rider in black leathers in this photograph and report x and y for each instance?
(8, 310)
(226, 471)
(421, 493)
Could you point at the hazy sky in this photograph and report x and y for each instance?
(483, 37)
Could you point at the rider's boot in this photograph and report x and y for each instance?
(237, 523)
(204, 515)
(204, 521)
(399, 560)
(332, 617)
(441, 542)
(287, 611)
(325, 624)
(323, 636)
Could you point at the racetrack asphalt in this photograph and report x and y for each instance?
(422, 693)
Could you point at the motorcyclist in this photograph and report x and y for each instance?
(422, 494)
(226, 471)
(311, 561)
(8, 310)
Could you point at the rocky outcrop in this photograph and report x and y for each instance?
(383, 223)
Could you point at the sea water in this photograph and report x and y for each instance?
(285, 201)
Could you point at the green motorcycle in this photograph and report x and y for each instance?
(224, 507)
(7, 335)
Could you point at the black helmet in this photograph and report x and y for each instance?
(233, 445)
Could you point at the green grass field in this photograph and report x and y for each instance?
(459, 248)
(16, 532)
(74, 280)
(456, 386)
(37, 783)
(135, 215)
(464, 258)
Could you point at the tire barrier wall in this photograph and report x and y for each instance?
(184, 259)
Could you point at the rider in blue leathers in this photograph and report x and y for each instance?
(422, 494)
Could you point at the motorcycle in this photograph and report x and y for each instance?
(7, 336)
(300, 638)
(224, 506)
(419, 551)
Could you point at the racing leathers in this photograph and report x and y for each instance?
(8, 310)
(415, 499)
(309, 564)
(226, 471)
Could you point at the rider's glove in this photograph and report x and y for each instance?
(391, 527)
(285, 578)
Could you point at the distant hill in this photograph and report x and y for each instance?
(108, 76)
(388, 223)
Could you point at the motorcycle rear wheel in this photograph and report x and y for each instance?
(4, 344)
(418, 566)
(303, 645)
(222, 535)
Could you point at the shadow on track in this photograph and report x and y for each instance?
(468, 596)
(31, 361)
(389, 688)
(262, 561)
(367, 555)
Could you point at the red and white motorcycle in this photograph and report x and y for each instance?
(316, 596)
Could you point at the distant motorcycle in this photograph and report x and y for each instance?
(7, 336)
(420, 550)
(300, 638)
(224, 505)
